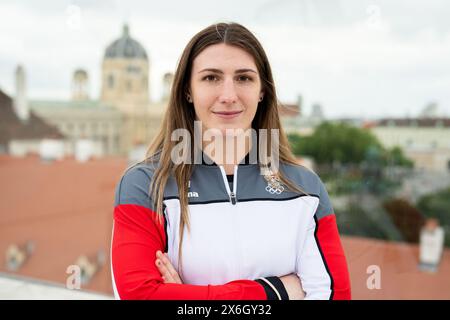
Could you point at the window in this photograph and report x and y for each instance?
(82, 129)
(133, 69)
(409, 143)
(111, 81)
(105, 127)
(144, 82)
(94, 127)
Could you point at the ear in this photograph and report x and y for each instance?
(261, 96)
(188, 95)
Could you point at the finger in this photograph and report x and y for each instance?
(170, 267)
(173, 273)
(165, 259)
(161, 265)
(164, 272)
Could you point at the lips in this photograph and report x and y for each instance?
(227, 114)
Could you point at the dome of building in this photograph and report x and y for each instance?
(125, 47)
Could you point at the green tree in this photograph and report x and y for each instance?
(356, 221)
(395, 157)
(345, 144)
(335, 143)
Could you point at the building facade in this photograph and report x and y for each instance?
(426, 141)
(123, 117)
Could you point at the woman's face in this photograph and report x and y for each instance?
(225, 87)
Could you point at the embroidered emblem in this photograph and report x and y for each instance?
(274, 185)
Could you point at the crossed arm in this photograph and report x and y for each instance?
(138, 241)
(291, 281)
(137, 244)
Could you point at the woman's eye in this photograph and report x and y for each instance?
(210, 78)
(244, 78)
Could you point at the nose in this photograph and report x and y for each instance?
(228, 94)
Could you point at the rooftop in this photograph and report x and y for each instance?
(11, 127)
(125, 47)
(414, 122)
(66, 209)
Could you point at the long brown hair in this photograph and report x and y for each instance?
(181, 114)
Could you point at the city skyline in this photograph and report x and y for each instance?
(356, 59)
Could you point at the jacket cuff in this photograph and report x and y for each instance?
(274, 288)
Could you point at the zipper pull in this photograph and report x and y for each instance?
(233, 198)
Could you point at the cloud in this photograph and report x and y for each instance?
(358, 58)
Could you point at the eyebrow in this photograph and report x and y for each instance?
(221, 72)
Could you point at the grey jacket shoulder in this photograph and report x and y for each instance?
(134, 185)
(310, 182)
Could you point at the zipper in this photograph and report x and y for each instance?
(234, 214)
(231, 194)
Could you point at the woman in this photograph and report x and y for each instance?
(224, 228)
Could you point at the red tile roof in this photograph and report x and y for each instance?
(289, 110)
(400, 276)
(12, 128)
(66, 208)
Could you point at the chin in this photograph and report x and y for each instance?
(223, 127)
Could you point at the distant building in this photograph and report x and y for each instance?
(22, 136)
(426, 141)
(85, 119)
(294, 120)
(125, 74)
(123, 114)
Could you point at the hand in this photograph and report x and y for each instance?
(293, 286)
(168, 272)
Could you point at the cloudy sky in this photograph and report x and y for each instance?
(357, 58)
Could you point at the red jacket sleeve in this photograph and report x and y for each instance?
(329, 243)
(137, 235)
(322, 264)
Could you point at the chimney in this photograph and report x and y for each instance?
(20, 101)
(167, 85)
(16, 255)
(300, 103)
(431, 245)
